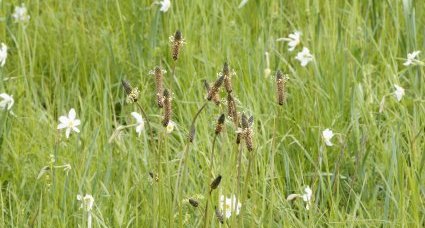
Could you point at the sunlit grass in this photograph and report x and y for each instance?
(74, 54)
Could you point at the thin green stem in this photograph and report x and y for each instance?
(238, 179)
(209, 175)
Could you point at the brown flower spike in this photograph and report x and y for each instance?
(246, 131)
(167, 108)
(216, 182)
(158, 73)
(132, 93)
(177, 42)
(227, 77)
(280, 83)
(220, 124)
(215, 98)
(193, 202)
(127, 86)
(214, 89)
(231, 108)
(219, 215)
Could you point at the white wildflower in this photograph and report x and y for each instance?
(69, 122)
(293, 40)
(165, 5)
(229, 205)
(21, 14)
(307, 197)
(399, 92)
(140, 125)
(86, 202)
(411, 58)
(170, 127)
(7, 101)
(304, 57)
(3, 54)
(327, 136)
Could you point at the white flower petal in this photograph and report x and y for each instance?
(165, 5)
(63, 119)
(304, 57)
(77, 122)
(71, 114)
(170, 127)
(408, 62)
(137, 116)
(76, 129)
(328, 143)
(292, 197)
(139, 129)
(67, 132)
(327, 135)
(3, 54)
(62, 125)
(399, 92)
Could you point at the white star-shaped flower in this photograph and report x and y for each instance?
(7, 101)
(21, 14)
(293, 40)
(69, 122)
(327, 136)
(3, 54)
(304, 57)
(165, 5)
(307, 197)
(140, 125)
(411, 58)
(229, 205)
(86, 202)
(399, 92)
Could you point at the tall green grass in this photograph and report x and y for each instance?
(74, 54)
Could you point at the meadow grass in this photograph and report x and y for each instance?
(74, 54)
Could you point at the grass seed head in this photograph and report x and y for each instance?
(158, 72)
(132, 93)
(231, 108)
(220, 124)
(193, 202)
(216, 182)
(227, 78)
(167, 108)
(127, 86)
(177, 42)
(216, 97)
(219, 215)
(248, 139)
(214, 89)
(280, 84)
(178, 35)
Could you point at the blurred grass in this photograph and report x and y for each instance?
(75, 53)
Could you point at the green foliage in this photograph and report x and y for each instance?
(74, 54)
